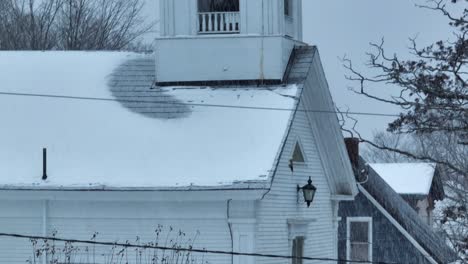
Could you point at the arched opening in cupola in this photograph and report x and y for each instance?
(218, 16)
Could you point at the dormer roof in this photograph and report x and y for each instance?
(407, 178)
(403, 216)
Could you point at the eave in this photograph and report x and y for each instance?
(134, 195)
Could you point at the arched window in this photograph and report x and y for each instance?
(218, 17)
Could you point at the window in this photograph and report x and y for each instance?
(218, 6)
(218, 17)
(359, 238)
(297, 250)
(288, 7)
(298, 156)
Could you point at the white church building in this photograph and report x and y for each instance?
(211, 135)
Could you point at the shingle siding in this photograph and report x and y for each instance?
(389, 244)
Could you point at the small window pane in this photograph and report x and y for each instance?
(297, 154)
(359, 231)
(360, 240)
(360, 252)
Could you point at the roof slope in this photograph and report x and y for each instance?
(406, 216)
(119, 131)
(407, 178)
(305, 67)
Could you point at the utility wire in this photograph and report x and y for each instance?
(219, 252)
(191, 104)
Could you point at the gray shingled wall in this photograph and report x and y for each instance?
(389, 245)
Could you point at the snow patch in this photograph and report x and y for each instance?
(407, 178)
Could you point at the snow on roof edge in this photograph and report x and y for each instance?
(412, 178)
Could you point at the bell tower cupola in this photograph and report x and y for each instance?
(226, 40)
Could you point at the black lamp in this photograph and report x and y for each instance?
(308, 191)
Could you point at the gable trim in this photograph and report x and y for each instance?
(397, 225)
(287, 133)
(341, 181)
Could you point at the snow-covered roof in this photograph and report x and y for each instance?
(407, 178)
(405, 215)
(119, 131)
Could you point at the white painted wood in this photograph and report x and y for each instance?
(243, 235)
(219, 22)
(24, 217)
(116, 221)
(244, 57)
(255, 43)
(326, 130)
(298, 227)
(350, 220)
(255, 17)
(123, 195)
(280, 208)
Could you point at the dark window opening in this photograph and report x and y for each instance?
(288, 7)
(297, 250)
(205, 6)
(297, 154)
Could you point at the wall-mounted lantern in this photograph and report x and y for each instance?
(308, 191)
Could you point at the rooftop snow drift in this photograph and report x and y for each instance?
(119, 131)
(407, 178)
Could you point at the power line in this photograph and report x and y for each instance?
(219, 252)
(191, 104)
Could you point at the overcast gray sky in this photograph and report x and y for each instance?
(345, 27)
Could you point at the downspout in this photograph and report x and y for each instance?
(45, 210)
(228, 206)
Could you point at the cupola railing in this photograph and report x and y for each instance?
(218, 22)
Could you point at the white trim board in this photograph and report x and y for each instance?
(397, 225)
(367, 220)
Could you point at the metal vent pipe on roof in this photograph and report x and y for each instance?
(44, 164)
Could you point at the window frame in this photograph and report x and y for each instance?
(293, 252)
(298, 142)
(350, 220)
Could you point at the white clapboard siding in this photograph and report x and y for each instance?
(315, 131)
(281, 202)
(18, 217)
(115, 221)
